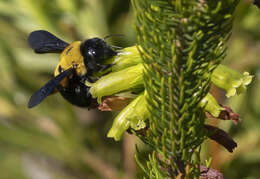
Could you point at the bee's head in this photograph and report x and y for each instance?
(95, 50)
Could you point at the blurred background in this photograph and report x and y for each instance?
(58, 141)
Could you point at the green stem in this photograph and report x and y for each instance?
(182, 42)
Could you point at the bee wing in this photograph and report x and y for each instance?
(48, 88)
(42, 41)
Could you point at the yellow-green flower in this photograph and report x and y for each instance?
(210, 104)
(133, 115)
(233, 82)
(128, 79)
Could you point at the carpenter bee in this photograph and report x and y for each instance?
(78, 61)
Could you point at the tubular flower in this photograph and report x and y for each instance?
(233, 82)
(133, 115)
(123, 89)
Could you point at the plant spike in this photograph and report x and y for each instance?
(182, 42)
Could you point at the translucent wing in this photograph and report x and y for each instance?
(48, 88)
(42, 41)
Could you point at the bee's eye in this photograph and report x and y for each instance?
(91, 53)
(94, 47)
(95, 51)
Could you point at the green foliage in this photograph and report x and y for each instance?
(182, 43)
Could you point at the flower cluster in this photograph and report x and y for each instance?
(123, 90)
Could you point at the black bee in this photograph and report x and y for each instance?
(78, 61)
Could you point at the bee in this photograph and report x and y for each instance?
(78, 61)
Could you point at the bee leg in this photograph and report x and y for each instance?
(88, 78)
(105, 67)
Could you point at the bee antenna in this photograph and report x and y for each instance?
(113, 35)
(116, 47)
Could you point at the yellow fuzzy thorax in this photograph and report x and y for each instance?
(71, 57)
